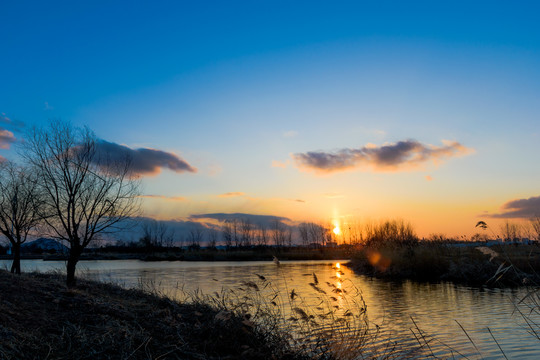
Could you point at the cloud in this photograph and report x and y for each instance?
(163, 197)
(144, 161)
(428, 178)
(14, 123)
(290, 134)
(6, 138)
(280, 164)
(298, 200)
(265, 220)
(390, 157)
(231, 194)
(333, 195)
(519, 208)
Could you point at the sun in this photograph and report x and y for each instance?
(336, 230)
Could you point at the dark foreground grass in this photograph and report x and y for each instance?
(501, 265)
(41, 319)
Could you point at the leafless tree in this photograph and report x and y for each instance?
(246, 232)
(212, 238)
(304, 233)
(86, 192)
(196, 237)
(236, 233)
(510, 231)
(227, 234)
(317, 233)
(20, 201)
(535, 224)
(278, 233)
(156, 234)
(262, 235)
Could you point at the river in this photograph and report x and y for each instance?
(440, 310)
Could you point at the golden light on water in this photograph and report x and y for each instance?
(338, 266)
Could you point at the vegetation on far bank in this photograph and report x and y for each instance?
(394, 252)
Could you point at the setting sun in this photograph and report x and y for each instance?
(336, 230)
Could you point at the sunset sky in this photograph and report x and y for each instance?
(319, 111)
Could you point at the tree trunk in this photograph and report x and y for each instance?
(16, 265)
(70, 268)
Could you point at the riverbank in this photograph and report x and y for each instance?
(478, 265)
(40, 318)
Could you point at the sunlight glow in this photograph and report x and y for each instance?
(336, 230)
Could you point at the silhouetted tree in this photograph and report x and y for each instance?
(262, 235)
(196, 237)
(227, 234)
(246, 232)
(304, 233)
(212, 238)
(156, 234)
(86, 193)
(20, 200)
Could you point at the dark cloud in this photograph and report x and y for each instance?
(396, 156)
(519, 208)
(12, 123)
(6, 138)
(265, 220)
(144, 161)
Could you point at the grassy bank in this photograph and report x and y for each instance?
(506, 265)
(41, 319)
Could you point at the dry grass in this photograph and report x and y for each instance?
(41, 319)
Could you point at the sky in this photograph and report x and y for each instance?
(311, 111)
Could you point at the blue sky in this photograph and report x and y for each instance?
(237, 88)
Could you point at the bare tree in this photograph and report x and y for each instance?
(510, 231)
(304, 233)
(156, 234)
(535, 223)
(227, 234)
(20, 200)
(262, 235)
(86, 192)
(246, 232)
(212, 238)
(196, 236)
(236, 233)
(278, 233)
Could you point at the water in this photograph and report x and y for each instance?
(436, 308)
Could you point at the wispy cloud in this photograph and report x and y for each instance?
(13, 123)
(163, 197)
(519, 208)
(397, 156)
(6, 138)
(290, 134)
(280, 164)
(428, 178)
(333, 195)
(145, 161)
(266, 220)
(231, 194)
